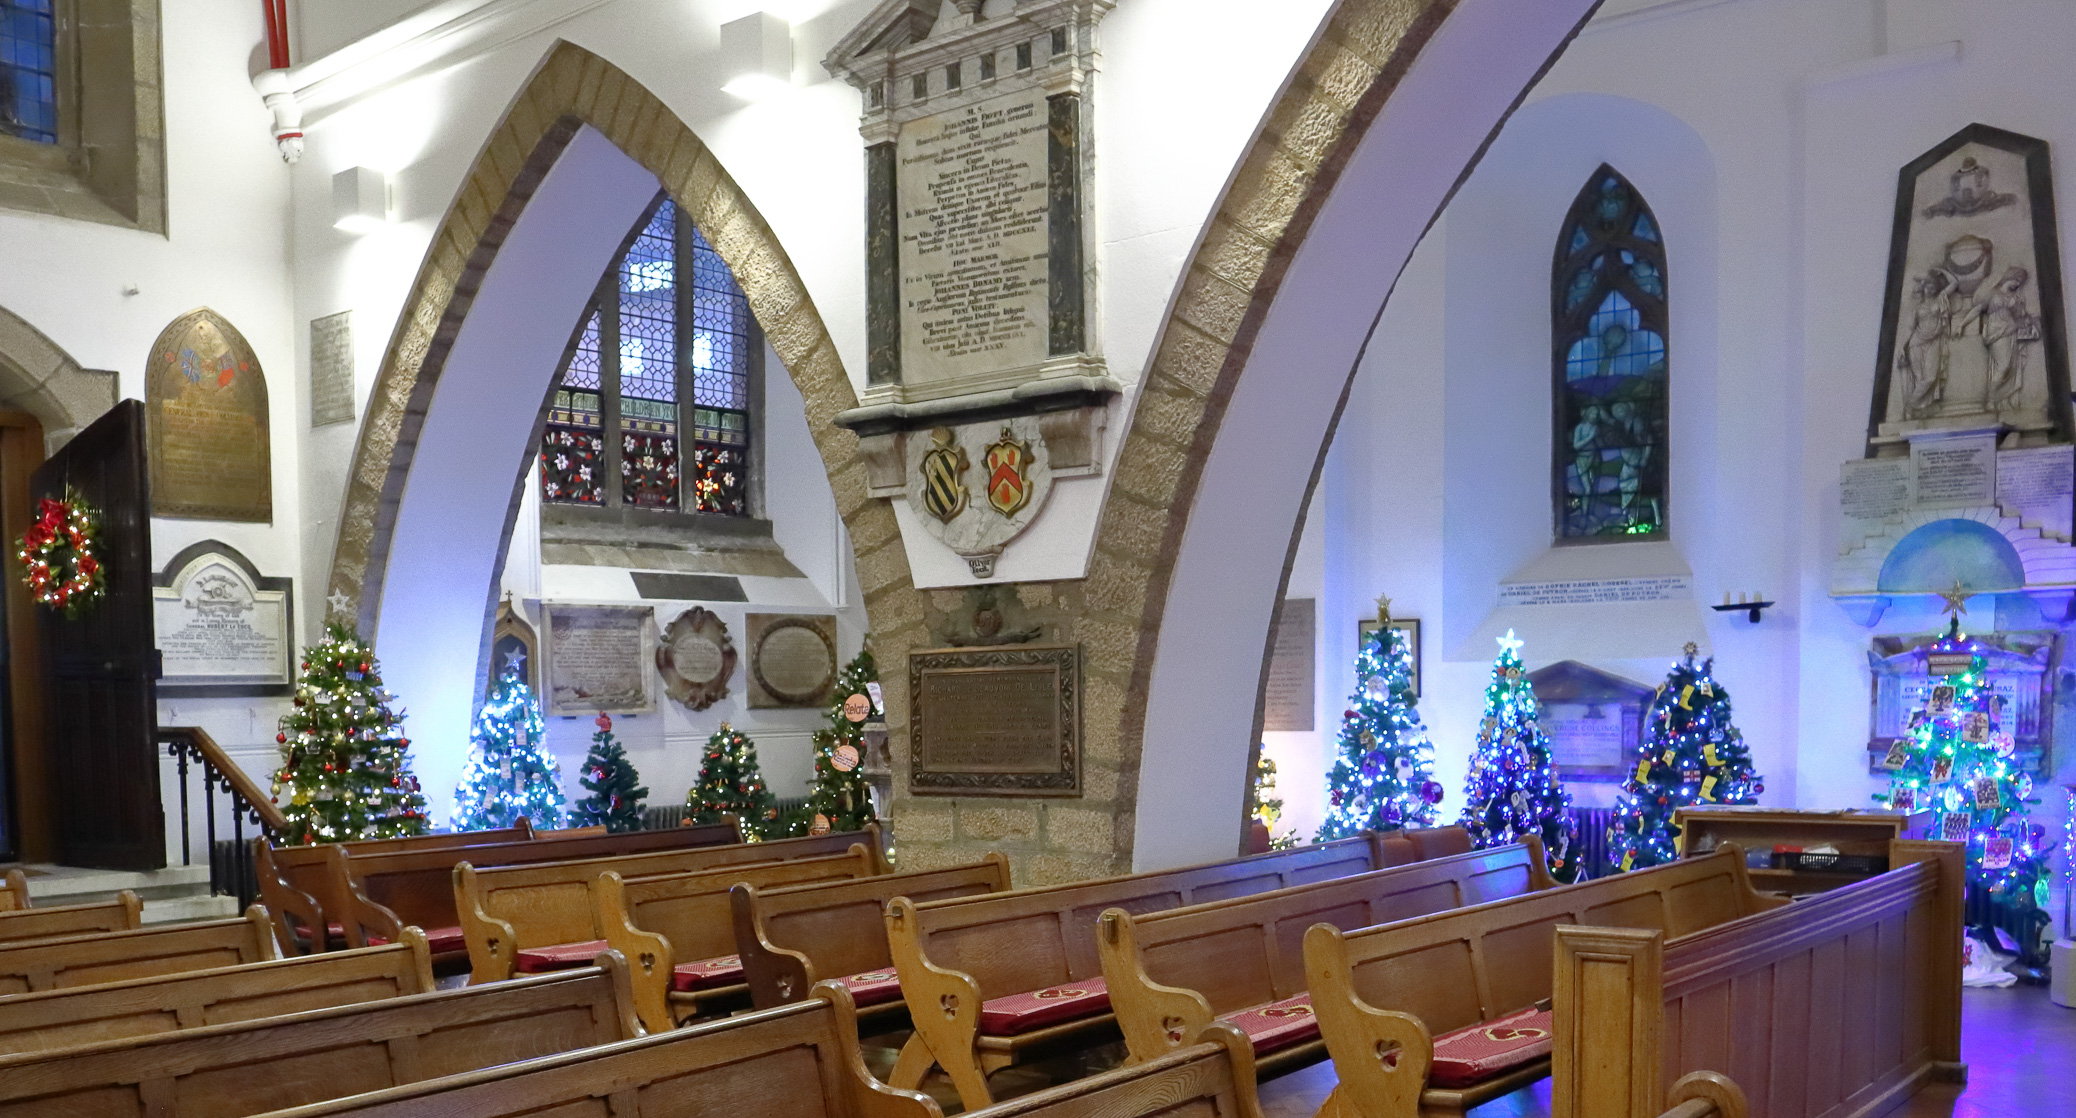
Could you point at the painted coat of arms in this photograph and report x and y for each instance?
(1012, 489)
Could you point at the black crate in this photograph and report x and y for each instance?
(1868, 864)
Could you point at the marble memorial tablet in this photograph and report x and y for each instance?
(996, 721)
(597, 659)
(222, 628)
(331, 369)
(696, 659)
(792, 659)
(1289, 700)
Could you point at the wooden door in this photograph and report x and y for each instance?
(102, 714)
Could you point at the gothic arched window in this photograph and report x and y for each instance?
(652, 409)
(1608, 333)
(29, 70)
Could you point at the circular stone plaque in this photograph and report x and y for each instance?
(695, 659)
(793, 661)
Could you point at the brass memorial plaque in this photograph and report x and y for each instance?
(206, 400)
(1003, 721)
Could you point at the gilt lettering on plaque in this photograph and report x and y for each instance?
(996, 721)
(597, 659)
(222, 628)
(207, 428)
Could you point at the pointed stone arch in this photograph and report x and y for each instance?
(38, 377)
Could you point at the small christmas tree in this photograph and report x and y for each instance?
(344, 770)
(730, 783)
(839, 799)
(509, 773)
(615, 801)
(1268, 806)
(1956, 761)
(1513, 788)
(1384, 778)
(1694, 755)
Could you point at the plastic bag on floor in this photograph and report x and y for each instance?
(1981, 965)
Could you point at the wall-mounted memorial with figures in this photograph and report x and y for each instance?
(984, 378)
(1910, 675)
(792, 659)
(207, 434)
(696, 659)
(598, 658)
(223, 628)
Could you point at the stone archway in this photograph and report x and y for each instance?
(39, 378)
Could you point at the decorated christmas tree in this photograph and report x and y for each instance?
(344, 771)
(1384, 778)
(1694, 754)
(615, 802)
(839, 800)
(509, 772)
(1955, 761)
(730, 783)
(1268, 806)
(1513, 788)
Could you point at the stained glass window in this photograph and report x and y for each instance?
(1608, 311)
(29, 70)
(658, 361)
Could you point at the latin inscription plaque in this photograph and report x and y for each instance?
(996, 721)
(596, 659)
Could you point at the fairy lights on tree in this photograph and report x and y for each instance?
(509, 772)
(615, 800)
(730, 783)
(1384, 778)
(839, 798)
(1693, 754)
(1513, 788)
(344, 770)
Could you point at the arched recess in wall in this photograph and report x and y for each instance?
(437, 475)
(43, 380)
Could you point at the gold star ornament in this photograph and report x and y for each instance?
(1956, 598)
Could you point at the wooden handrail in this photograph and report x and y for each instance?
(262, 803)
(1706, 1094)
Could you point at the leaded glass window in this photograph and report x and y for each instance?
(1608, 312)
(29, 70)
(664, 355)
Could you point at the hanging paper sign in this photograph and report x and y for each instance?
(1948, 663)
(845, 758)
(1954, 827)
(1942, 769)
(879, 697)
(856, 708)
(1687, 697)
(1996, 853)
(1377, 688)
(1643, 770)
(1708, 753)
(1903, 800)
(1942, 699)
(2002, 742)
(1975, 727)
(820, 825)
(1987, 796)
(1708, 788)
(1898, 755)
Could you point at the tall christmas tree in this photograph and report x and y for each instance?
(839, 799)
(1956, 761)
(1513, 787)
(1694, 754)
(509, 773)
(1384, 778)
(615, 802)
(344, 771)
(730, 783)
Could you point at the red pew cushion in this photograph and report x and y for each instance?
(561, 956)
(1484, 1050)
(1021, 1013)
(872, 987)
(442, 940)
(1277, 1024)
(707, 973)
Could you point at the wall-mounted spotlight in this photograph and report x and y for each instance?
(360, 200)
(756, 56)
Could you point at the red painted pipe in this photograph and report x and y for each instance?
(277, 33)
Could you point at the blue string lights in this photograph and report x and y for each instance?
(509, 773)
(1384, 778)
(1514, 789)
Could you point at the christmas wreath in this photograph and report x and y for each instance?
(57, 554)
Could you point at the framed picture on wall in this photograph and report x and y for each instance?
(1409, 626)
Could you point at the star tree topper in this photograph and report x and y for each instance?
(1956, 598)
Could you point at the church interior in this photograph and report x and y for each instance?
(1037, 558)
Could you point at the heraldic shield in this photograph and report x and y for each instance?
(1009, 474)
(944, 476)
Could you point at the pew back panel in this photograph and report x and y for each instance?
(792, 938)
(800, 1059)
(14, 891)
(1170, 973)
(53, 964)
(168, 1003)
(1214, 1079)
(229, 1071)
(298, 888)
(506, 909)
(119, 915)
(660, 922)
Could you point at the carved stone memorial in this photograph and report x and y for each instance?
(696, 659)
(331, 369)
(984, 379)
(996, 721)
(208, 428)
(792, 659)
(597, 659)
(223, 628)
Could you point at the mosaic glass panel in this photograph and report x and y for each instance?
(648, 351)
(1608, 301)
(29, 70)
(573, 441)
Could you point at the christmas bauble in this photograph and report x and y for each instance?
(845, 758)
(820, 825)
(603, 721)
(1377, 688)
(1431, 792)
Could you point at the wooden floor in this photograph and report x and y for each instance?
(2020, 1048)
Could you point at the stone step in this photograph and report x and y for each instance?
(50, 886)
(201, 906)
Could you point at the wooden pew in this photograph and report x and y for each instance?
(509, 908)
(1844, 1003)
(678, 931)
(1033, 951)
(388, 891)
(119, 915)
(1404, 988)
(1706, 1094)
(1172, 974)
(14, 893)
(297, 887)
(790, 939)
(245, 1068)
(800, 1059)
(168, 1003)
(51, 964)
